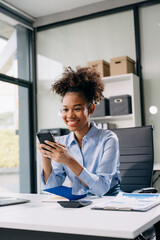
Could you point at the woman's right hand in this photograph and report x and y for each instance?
(46, 162)
(42, 151)
(39, 147)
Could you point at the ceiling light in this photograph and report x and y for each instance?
(153, 109)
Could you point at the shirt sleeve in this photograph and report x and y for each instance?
(56, 177)
(100, 182)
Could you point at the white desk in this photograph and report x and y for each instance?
(39, 220)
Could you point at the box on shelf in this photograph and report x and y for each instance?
(121, 65)
(101, 109)
(120, 105)
(101, 67)
(106, 125)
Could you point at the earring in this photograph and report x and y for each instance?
(91, 110)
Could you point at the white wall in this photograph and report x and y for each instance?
(76, 44)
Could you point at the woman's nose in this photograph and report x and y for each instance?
(71, 113)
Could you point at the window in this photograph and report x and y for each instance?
(14, 48)
(16, 107)
(9, 138)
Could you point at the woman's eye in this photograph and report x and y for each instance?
(78, 109)
(64, 110)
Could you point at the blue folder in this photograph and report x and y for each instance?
(66, 192)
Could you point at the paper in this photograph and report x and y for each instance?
(64, 191)
(130, 202)
(54, 199)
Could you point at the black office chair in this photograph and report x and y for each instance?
(136, 164)
(136, 157)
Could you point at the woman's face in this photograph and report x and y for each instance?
(75, 112)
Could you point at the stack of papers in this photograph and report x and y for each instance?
(130, 202)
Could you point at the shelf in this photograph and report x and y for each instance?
(117, 78)
(126, 84)
(119, 117)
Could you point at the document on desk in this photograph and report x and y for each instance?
(130, 202)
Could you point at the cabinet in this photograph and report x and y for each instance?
(122, 85)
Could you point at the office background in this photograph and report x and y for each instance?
(34, 51)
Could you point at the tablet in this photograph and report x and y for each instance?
(5, 201)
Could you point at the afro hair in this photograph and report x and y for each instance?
(83, 79)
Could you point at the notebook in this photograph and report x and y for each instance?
(5, 201)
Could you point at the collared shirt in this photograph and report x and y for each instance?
(99, 157)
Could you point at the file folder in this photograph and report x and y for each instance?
(64, 191)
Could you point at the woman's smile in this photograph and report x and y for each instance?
(72, 123)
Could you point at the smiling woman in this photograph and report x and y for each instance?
(88, 156)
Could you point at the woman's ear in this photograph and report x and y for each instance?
(91, 108)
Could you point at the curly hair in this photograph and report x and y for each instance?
(84, 79)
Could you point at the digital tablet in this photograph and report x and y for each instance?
(5, 201)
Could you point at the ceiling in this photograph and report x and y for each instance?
(40, 8)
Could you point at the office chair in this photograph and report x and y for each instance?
(136, 163)
(136, 157)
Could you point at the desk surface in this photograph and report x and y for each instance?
(51, 217)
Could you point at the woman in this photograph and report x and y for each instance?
(87, 155)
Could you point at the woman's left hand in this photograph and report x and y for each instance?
(57, 151)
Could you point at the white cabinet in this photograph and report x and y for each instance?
(127, 84)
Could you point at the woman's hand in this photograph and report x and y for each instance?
(47, 168)
(42, 151)
(59, 153)
(56, 151)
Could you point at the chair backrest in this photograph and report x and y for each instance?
(136, 157)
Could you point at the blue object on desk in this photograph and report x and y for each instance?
(64, 191)
(141, 195)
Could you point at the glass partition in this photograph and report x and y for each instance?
(150, 37)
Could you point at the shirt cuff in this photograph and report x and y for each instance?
(50, 182)
(86, 177)
(78, 187)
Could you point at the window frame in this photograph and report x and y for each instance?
(31, 98)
